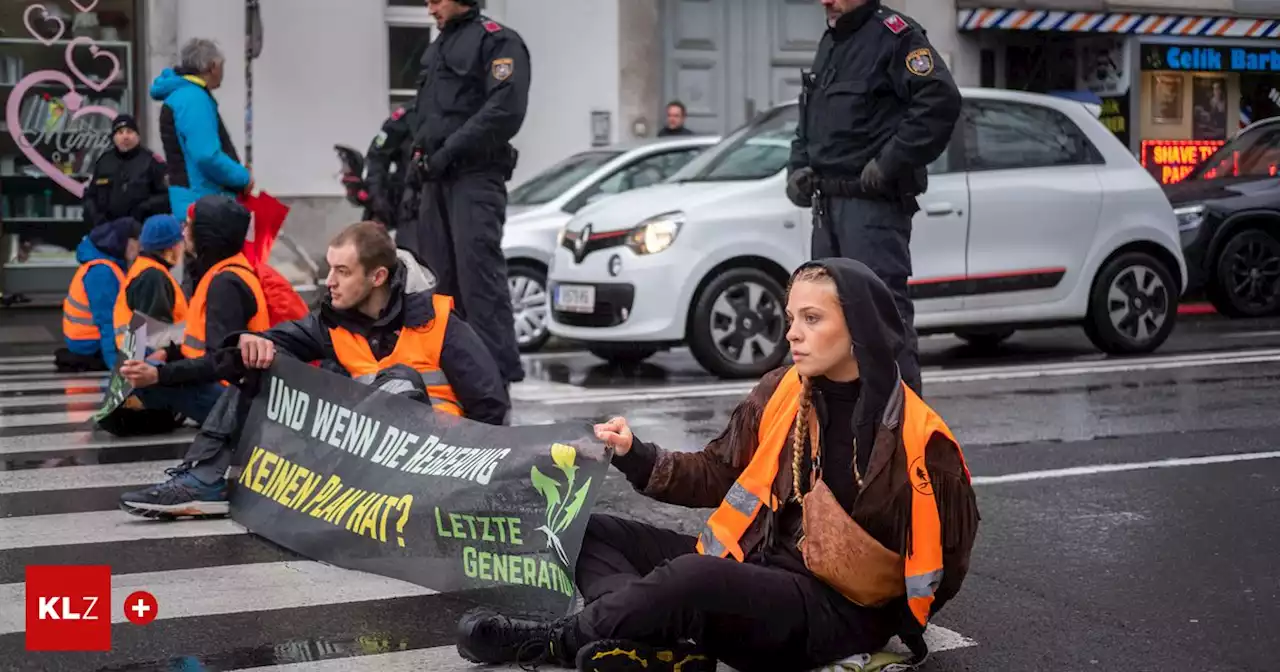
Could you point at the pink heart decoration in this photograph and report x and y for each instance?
(73, 100)
(26, 19)
(82, 8)
(97, 52)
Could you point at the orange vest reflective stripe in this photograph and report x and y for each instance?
(77, 318)
(754, 489)
(419, 348)
(193, 344)
(124, 313)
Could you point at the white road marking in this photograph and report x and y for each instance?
(48, 400)
(104, 527)
(70, 385)
(89, 476)
(1252, 334)
(933, 376)
(87, 440)
(43, 419)
(28, 359)
(1093, 469)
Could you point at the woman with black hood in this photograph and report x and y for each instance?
(845, 517)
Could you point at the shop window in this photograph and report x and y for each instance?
(1007, 136)
(49, 150)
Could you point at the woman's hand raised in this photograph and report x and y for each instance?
(616, 434)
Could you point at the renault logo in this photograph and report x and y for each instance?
(580, 245)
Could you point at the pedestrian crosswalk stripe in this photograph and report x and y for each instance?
(27, 359)
(60, 479)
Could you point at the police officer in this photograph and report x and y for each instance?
(878, 107)
(388, 164)
(473, 94)
(127, 181)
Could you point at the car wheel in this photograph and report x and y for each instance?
(738, 326)
(1133, 305)
(527, 285)
(626, 354)
(985, 340)
(1246, 280)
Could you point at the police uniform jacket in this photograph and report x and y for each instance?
(877, 91)
(126, 184)
(392, 147)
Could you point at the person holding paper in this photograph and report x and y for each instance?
(149, 287)
(382, 324)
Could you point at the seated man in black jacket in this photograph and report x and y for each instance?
(376, 324)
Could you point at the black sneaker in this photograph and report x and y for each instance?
(485, 636)
(183, 495)
(622, 655)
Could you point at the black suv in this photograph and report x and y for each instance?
(1228, 211)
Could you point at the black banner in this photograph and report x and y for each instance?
(355, 477)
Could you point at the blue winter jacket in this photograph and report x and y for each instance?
(101, 286)
(199, 153)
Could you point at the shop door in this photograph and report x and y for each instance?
(727, 60)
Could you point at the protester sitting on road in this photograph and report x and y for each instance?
(228, 299)
(149, 287)
(128, 180)
(88, 322)
(771, 582)
(197, 148)
(379, 324)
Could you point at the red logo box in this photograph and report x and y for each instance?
(68, 607)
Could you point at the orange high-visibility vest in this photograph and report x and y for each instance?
(124, 313)
(193, 344)
(77, 318)
(753, 490)
(417, 347)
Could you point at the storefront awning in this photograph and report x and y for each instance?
(1116, 23)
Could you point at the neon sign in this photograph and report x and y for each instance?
(1169, 161)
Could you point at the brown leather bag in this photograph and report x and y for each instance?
(840, 553)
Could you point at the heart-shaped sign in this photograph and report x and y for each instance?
(97, 52)
(73, 101)
(46, 41)
(83, 8)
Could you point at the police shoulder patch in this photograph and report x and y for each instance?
(502, 68)
(920, 62)
(380, 139)
(896, 24)
(398, 113)
(491, 26)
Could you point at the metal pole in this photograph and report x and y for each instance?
(250, 15)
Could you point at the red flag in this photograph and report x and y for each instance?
(267, 216)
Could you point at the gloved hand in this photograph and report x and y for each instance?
(800, 187)
(872, 177)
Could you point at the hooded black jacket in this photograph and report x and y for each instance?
(218, 231)
(464, 358)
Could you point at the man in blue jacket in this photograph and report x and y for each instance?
(198, 151)
(88, 311)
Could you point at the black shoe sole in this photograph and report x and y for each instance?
(169, 515)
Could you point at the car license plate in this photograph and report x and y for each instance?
(576, 298)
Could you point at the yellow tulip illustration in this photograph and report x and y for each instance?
(562, 507)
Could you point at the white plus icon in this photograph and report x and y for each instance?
(141, 608)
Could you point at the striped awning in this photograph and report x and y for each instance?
(1116, 23)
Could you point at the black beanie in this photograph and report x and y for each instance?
(124, 121)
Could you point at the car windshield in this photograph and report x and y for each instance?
(554, 181)
(1254, 153)
(754, 152)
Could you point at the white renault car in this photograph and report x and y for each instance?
(539, 207)
(1036, 215)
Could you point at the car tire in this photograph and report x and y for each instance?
(530, 304)
(748, 308)
(1133, 305)
(985, 340)
(623, 354)
(1246, 276)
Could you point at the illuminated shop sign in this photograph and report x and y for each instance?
(1171, 160)
(1210, 59)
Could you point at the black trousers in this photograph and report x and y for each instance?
(878, 234)
(459, 235)
(649, 584)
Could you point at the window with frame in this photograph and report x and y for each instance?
(1004, 135)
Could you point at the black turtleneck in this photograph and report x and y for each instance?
(151, 293)
(850, 22)
(836, 403)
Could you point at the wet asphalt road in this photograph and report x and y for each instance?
(1127, 514)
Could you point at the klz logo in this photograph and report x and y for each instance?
(68, 608)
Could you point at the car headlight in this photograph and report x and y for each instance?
(656, 233)
(1189, 217)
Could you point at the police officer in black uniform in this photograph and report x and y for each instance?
(128, 180)
(388, 166)
(472, 99)
(878, 107)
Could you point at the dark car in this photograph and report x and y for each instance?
(1228, 211)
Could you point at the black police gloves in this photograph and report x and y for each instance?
(800, 188)
(872, 177)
